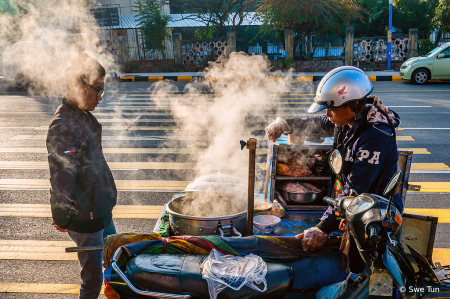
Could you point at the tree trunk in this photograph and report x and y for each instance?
(281, 33)
(309, 47)
(438, 37)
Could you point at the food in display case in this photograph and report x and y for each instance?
(292, 170)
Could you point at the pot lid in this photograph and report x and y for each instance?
(218, 182)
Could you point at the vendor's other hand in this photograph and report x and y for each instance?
(312, 238)
(277, 128)
(58, 228)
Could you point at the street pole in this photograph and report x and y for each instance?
(389, 36)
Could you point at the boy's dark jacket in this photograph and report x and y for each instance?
(83, 192)
(367, 147)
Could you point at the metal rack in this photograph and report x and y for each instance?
(317, 148)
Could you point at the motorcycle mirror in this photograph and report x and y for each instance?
(391, 190)
(393, 183)
(335, 161)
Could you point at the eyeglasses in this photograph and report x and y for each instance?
(100, 92)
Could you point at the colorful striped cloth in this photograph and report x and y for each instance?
(279, 249)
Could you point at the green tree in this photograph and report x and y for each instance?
(217, 14)
(7, 7)
(153, 25)
(442, 17)
(308, 17)
(405, 14)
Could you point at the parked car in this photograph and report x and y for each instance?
(433, 66)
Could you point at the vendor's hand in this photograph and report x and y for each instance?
(277, 128)
(58, 228)
(312, 238)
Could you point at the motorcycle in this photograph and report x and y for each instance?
(373, 221)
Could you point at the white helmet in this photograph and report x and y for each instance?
(340, 86)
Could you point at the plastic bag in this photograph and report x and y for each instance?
(441, 274)
(277, 128)
(277, 209)
(221, 271)
(333, 291)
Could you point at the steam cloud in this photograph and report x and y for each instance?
(54, 32)
(241, 92)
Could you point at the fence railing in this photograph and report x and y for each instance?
(328, 46)
(200, 51)
(375, 49)
(130, 47)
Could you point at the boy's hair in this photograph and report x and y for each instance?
(83, 67)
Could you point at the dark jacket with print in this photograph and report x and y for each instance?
(367, 147)
(83, 192)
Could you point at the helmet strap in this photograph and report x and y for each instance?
(357, 109)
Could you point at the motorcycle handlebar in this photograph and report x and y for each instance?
(374, 231)
(328, 200)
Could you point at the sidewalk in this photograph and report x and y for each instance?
(299, 77)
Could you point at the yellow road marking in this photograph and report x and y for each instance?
(42, 288)
(130, 120)
(154, 106)
(397, 78)
(269, 116)
(437, 187)
(133, 185)
(127, 78)
(149, 128)
(122, 137)
(119, 150)
(112, 165)
(429, 166)
(168, 109)
(184, 78)
(158, 99)
(43, 210)
(155, 78)
(120, 184)
(36, 250)
(304, 78)
(152, 120)
(131, 113)
(417, 151)
(441, 255)
(405, 138)
(443, 214)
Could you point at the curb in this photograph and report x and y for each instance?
(243, 78)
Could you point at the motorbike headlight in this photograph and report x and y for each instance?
(360, 204)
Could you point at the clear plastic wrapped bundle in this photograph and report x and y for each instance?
(221, 271)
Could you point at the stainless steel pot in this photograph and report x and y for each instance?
(229, 225)
(302, 197)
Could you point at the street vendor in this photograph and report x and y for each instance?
(363, 130)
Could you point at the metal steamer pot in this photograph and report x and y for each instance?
(205, 193)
